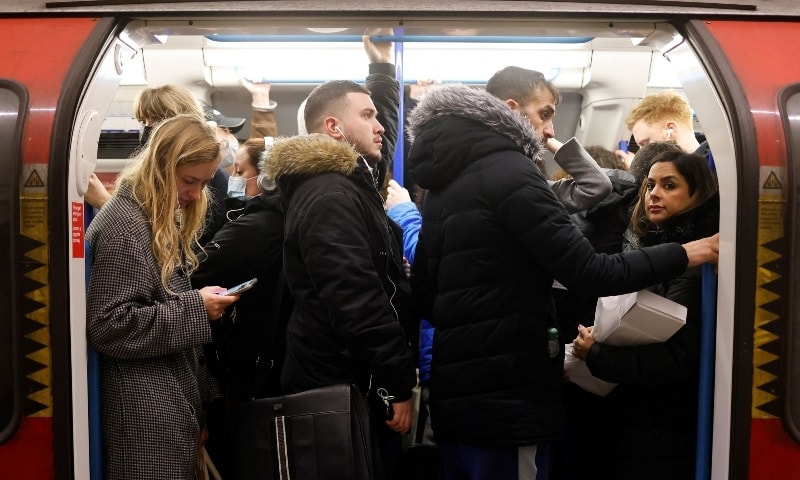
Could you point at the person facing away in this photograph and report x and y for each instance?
(247, 350)
(343, 259)
(143, 316)
(155, 104)
(494, 237)
(653, 410)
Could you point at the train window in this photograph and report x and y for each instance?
(13, 102)
(791, 118)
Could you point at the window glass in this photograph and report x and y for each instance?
(791, 119)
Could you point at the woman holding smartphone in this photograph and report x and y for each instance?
(143, 316)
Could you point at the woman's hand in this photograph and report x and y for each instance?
(215, 302)
(583, 342)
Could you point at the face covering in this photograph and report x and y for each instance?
(228, 155)
(146, 131)
(237, 186)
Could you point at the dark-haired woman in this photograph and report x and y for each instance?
(654, 408)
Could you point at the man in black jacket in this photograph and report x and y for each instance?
(342, 254)
(494, 237)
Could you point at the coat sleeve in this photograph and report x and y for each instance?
(263, 123)
(409, 218)
(540, 223)
(337, 253)
(589, 184)
(128, 313)
(658, 364)
(385, 92)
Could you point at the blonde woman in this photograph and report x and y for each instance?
(143, 315)
(152, 105)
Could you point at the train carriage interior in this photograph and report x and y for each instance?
(601, 69)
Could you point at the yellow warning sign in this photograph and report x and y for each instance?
(34, 228)
(771, 181)
(34, 180)
(770, 300)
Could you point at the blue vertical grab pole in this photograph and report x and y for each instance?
(93, 378)
(705, 407)
(398, 161)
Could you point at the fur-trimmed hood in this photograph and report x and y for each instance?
(454, 125)
(479, 105)
(292, 160)
(309, 155)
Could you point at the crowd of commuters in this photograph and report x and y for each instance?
(456, 287)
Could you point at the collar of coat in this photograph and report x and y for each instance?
(309, 155)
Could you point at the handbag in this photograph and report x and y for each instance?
(322, 433)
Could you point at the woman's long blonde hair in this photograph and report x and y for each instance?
(180, 140)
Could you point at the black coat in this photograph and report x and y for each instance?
(603, 225)
(343, 265)
(251, 332)
(494, 237)
(654, 407)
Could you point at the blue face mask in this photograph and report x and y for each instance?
(237, 186)
(146, 131)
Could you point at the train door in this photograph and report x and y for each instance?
(43, 408)
(762, 416)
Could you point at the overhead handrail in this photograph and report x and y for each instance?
(397, 38)
(648, 3)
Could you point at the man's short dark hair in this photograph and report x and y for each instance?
(320, 100)
(520, 84)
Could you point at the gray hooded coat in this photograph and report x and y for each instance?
(494, 237)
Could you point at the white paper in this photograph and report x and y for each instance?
(578, 373)
(637, 318)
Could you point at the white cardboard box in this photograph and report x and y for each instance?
(637, 319)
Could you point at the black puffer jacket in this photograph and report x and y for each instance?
(343, 265)
(654, 408)
(494, 237)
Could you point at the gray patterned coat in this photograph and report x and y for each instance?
(150, 341)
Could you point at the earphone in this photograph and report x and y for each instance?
(265, 183)
(669, 133)
(336, 127)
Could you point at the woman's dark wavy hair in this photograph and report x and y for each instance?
(692, 167)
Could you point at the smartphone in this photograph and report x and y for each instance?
(242, 287)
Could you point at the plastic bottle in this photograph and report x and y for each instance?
(552, 342)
